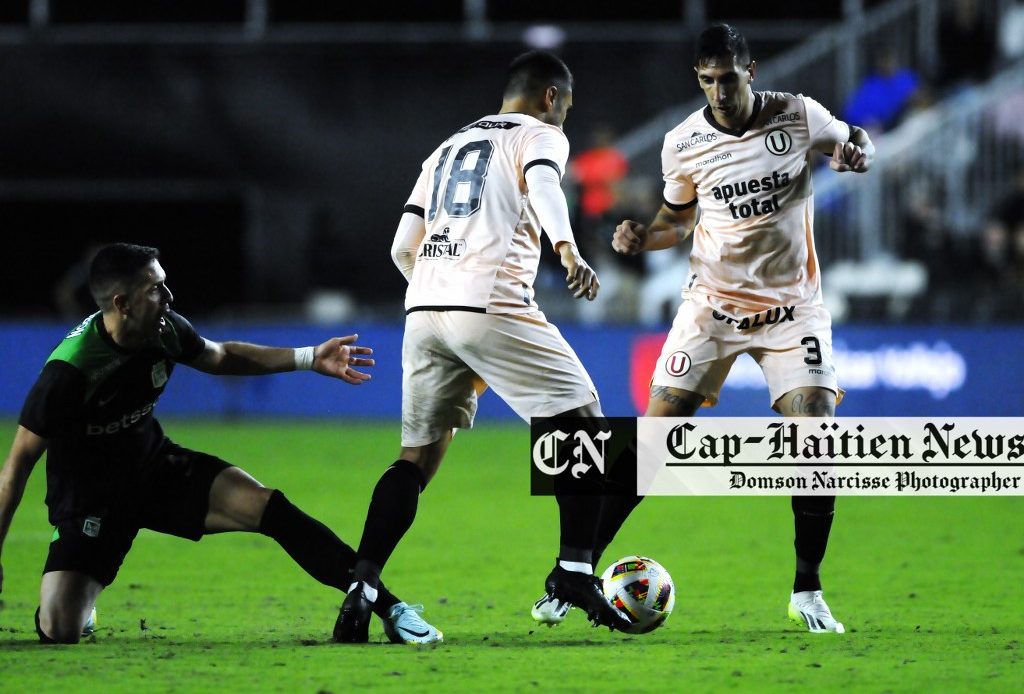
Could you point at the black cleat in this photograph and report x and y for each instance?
(584, 591)
(353, 624)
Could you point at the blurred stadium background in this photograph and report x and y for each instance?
(267, 147)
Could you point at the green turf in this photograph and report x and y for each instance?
(930, 589)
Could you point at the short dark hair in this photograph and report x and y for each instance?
(535, 71)
(114, 268)
(719, 41)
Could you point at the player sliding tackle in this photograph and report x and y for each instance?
(745, 160)
(469, 243)
(110, 470)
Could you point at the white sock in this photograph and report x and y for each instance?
(577, 566)
(369, 593)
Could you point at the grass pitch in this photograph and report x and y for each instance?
(929, 589)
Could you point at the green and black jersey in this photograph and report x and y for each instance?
(93, 402)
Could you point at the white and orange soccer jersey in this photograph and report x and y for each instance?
(482, 244)
(753, 248)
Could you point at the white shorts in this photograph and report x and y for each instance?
(450, 357)
(791, 344)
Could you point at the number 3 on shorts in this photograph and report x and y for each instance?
(813, 350)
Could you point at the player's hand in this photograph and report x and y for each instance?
(848, 157)
(338, 356)
(580, 277)
(630, 237)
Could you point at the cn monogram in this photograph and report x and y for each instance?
(546, 452)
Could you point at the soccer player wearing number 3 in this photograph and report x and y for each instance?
(469, 243)
(755, 284)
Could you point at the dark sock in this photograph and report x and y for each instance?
(309, 542)
(43, 638)
(391, 513)
(578, 516)
(812, 519)
(314, 547)
(614, 512)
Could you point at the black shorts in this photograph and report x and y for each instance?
(172, 497)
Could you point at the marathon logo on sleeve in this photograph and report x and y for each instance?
(782, 314)
(754, 186)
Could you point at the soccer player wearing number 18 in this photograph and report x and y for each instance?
(469, 243)
(755, 287)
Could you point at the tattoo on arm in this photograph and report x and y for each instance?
(811, 407)
(661, 393)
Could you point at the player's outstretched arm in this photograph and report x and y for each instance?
(336, 357)
(855, 155)
(25, 452)
(670, 227)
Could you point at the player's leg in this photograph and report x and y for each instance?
(84, 557)
(66, 601)
(391, 513)
(812, 522)
(532, 368)
(572, 581)
(237, 502)
(439, 394)
(797, 363)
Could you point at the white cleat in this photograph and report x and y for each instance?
(405, 625)
(550, 610)
(89, 628)
(809, 609)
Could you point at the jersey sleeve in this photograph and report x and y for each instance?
(417, 202)
(187, 344)
(546, 146)
(680, 193)
(825, 130)
(54, 401)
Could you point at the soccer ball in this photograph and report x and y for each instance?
(642, 589)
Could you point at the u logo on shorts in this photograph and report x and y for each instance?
(678, 363)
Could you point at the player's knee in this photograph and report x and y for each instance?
(58, 627)
(422, 461)
(254, 509)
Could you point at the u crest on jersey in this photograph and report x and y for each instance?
(778, 142)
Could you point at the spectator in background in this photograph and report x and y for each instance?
(927, 240)
(600, 174)
(884, 95)
(999, 260)
(967, 44)
(597, 170)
